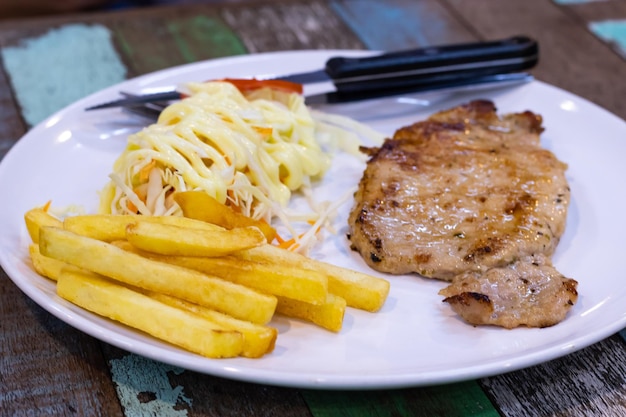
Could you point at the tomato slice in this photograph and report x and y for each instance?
(244, 84)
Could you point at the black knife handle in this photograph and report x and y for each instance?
(478, 58)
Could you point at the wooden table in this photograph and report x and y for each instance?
(49, 368)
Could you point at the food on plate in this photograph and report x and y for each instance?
(167, 239)
(186, 221)
(328, 314)
(249, 153)
(257, 340)
(38, 217)
(109, 228)
(360, 290)
(529, 291)
(247, 144)
(201, 206)
(108, 260)
(470, 197)
(270, 278)
(180, 327)
(94, 260)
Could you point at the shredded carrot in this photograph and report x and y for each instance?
(279, 239)
(289, 244)
(232, 201)
(131, 207)
(264, 131)
(144, 173)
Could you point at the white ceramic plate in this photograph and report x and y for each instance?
(415, 339)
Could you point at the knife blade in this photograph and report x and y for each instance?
(457, 85)
(404, 70)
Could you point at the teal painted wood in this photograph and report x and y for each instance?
(573, 1)
(400, 24)
(144, 388)
(61, 66)
(613, 32)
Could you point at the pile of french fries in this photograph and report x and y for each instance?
(208, 282)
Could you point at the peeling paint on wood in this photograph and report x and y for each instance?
(60, 67)
(144, 388)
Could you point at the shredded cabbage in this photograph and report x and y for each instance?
(250, 152)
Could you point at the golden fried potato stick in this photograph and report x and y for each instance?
(201, 206)
(108, 260)
(37, 218)
(174, 325)
(182, 241)
(48, 267)
(360, 290)
(258, 340)
(111, 227)
(299, 284)
(328, 315)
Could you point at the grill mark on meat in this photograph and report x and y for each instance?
(468, 192)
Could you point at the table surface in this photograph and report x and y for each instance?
(48, 367)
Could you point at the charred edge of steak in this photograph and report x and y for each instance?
(571, 286)
(480, 107)
(468, 298)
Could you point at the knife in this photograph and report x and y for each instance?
(405, 71)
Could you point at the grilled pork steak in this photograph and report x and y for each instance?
(470, 197)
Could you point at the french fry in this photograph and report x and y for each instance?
(48, 267)
(111, 227)
(174, 325)
(328, 315)
(258, 340)
(360, 290)
(174, 240)
(37, 218)
(108, 260)
(201, 206)
(279, 280)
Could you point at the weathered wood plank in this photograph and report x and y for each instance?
(147, 387)
(401, 24)
(454, 400)
(572, 57)
(12, 126)
(606, 20)
(290, 26)
(591, 382)
(596, 10)
(48, 367)
(54, 69)
(184, 36)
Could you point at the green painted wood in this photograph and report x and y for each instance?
(454, 400)
(204, 37)
(183, 38)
